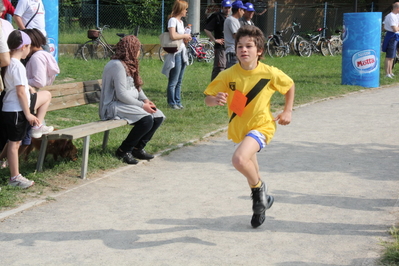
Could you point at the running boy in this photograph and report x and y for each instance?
(247, 88)
(19, 104)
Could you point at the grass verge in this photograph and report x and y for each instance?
(391, 254)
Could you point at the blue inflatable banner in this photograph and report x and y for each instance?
(51, 8)
(361, 49)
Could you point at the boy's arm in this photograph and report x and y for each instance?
(33, 120)
(284, 118)
(219, 99)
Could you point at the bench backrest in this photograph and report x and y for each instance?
(74, 94)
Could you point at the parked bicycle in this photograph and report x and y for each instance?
(276, 47)
(317, 44)
(336, 43)
(97, 47)
(200, 49)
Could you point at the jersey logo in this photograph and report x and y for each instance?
(232, 86)
(251, 94)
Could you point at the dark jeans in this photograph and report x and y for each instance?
(141, 133)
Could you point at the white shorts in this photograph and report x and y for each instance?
(259, 137)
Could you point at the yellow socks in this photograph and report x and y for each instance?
(257, 185)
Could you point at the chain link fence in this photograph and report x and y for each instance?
(152, 18)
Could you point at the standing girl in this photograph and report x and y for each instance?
(175, 64)
(19, 104)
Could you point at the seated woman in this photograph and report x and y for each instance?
(41, 67)
(123, 98)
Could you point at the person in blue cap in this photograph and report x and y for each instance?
(246, 19)
(231, 26)
(215, 24)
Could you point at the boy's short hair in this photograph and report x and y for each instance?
(253, 32)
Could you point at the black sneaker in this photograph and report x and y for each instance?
(127, 157)
(259, 199)
(258, 219)
(142, 154)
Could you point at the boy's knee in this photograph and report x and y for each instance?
(237, 161)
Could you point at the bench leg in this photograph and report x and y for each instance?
(42, 154)
(105, 139)
(85, 156)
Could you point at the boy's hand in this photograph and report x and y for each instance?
(221, 98)
(33, 120)
(284, 118)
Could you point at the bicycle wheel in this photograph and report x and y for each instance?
(162, 53)
(273, 49)
(297, 39)
(190, 58)
(93, 49)
(336, 46)
(304, 49)
(325, 47)
(208, 50)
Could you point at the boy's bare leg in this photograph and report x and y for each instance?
(245, 161)
(12, 156)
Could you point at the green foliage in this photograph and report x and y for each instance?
(391, 254)
(141, 12)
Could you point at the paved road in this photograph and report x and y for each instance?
(333, 172)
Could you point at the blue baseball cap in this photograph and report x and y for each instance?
(226, 3)
(239, 4)
(250, 7)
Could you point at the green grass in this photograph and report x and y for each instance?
(391, 254)
(316, 77)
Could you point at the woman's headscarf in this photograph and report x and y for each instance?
(126, 51)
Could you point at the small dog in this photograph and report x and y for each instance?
(58, 147)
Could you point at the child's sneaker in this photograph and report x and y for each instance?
(259, 199)
(258, 219)
(20, 181)
(37, 132)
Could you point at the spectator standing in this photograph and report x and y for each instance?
(175, 63)
(123, 98)
(231, 26)
(19, 106)
(8, 9)
(389, 46)
(246, 19)
(41, 70)
(215, 24)
(30, 14)
(4, 61)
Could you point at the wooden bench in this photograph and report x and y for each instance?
(70, 95)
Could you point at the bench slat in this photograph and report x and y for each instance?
(81, 131)
(74, 100)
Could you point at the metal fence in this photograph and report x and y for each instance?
(153, 20)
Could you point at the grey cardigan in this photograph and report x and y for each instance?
(119, 97)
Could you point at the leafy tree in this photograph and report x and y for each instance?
(141, 12)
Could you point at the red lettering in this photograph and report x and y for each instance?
(365, 62)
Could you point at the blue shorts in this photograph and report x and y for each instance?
(391, 49)
(259, 137)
